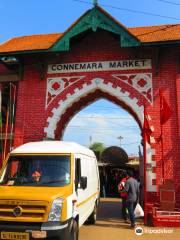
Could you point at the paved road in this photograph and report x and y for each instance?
(110, 226)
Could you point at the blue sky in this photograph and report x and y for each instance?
(102, 120)
(20, 17)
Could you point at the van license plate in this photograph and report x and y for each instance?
(15, 235)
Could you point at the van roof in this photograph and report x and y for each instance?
(52, 147)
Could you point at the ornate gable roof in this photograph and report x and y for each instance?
(93, 19)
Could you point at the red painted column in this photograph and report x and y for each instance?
(178, 104)
(177, 166)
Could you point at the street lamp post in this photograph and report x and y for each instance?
(90, 140)
(120, 138)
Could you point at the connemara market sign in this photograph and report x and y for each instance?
(100, 66)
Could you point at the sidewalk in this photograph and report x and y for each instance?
(110, 226)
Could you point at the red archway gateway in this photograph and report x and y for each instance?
(83, 92)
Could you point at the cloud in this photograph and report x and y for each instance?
(106, 127)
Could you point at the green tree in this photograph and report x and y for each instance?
(97, 148)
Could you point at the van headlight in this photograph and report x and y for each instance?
(56, 209)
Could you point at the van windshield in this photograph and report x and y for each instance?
(28, 170)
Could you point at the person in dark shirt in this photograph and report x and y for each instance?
(132, 189)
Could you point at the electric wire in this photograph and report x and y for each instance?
(159, 29)
(95, 117)
(103, 128)
(169, 2)
(131, 10)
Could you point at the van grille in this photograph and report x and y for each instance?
(14, 210)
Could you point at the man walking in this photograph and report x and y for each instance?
(132, 189)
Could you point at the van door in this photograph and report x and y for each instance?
(82, 194)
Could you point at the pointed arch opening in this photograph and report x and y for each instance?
(81, 96)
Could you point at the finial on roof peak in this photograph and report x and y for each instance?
(95, 2)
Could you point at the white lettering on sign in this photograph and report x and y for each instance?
(100, 66)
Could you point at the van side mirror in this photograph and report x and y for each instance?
(83, 182)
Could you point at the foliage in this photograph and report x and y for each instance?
(97, 147)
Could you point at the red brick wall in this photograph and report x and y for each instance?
(177, 162)
(31, 114)
(30, 111)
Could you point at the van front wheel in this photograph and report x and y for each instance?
(92, 218)
(74, 231)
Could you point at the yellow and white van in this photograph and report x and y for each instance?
(48, 189)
